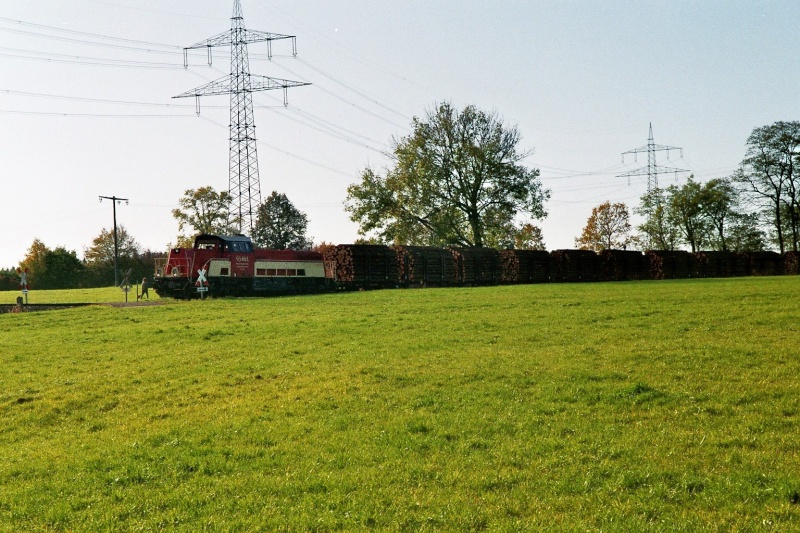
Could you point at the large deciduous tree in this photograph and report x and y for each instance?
(34, 260)
(656, 232)
(63, 270)
(769, 177)
(458, 178)
(280, 225)
(686, 213)
(101, 252)
(607, 228)
(204, 210)
(720, 203)
(99, 256)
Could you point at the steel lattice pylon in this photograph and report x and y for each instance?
(244, 184)
(652, 170)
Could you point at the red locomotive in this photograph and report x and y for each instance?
(231, 266)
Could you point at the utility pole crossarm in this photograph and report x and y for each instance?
(645, 171)
(656, 147)
(218, 86)
(225, 85)
(243, 36)
(265, 83)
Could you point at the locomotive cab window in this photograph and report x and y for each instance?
(301, 271)
(240, 246)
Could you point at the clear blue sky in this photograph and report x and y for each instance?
(86, 104)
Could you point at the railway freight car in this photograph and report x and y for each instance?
(425, 266)
(363, 266)
(222, 266)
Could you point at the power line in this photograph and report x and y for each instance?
(86, 34)
(352, 89)
(350, 103)
(94, 61)
(93, 100)
(286, 152)
(88, 115)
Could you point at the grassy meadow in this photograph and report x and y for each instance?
(95, 295)
(646, 406)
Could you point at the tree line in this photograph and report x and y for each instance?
(59, 268)
(756, 208)
(459, 179)
(280, 225)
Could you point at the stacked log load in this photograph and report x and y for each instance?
(376, 266)
(622, 265)
(670, 264)
(791, 263)
(574, 265)
(715, 264)
(477, 266)
(525, 266)
(741, 266)
(765, 263)
(425, 266)
(368, 266)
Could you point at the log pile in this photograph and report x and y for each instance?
(525, 266)
(368, 266)
(375, 266)
(741, 266)
(670, 264)
(425, 266)
(714, 264)
(791, 263)
(622, 265)
(477, 266)
(765, 263)
(574, 265)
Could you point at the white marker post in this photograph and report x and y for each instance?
(23, 283)
(126, 284)
(202, 283)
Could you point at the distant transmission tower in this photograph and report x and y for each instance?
(652, 170)
(244, 185)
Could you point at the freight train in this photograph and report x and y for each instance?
(232, 266)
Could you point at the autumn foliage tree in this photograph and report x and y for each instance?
(99, 258)
(607, 228)
(529, 237)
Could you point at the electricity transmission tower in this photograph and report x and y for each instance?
(243, 185)
(652, 170)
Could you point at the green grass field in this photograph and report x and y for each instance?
(647, 406)
(102, 295)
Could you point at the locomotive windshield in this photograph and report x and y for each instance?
(237, 244)
(240, 246)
